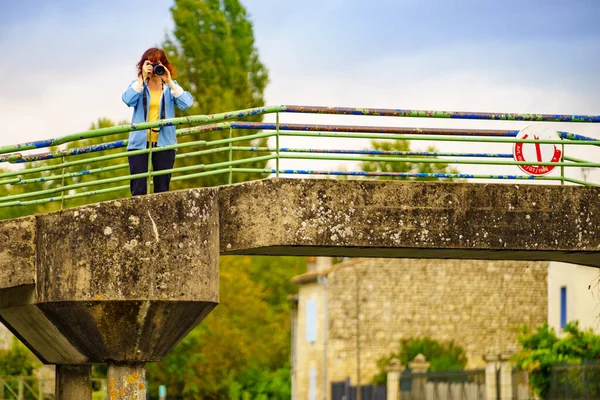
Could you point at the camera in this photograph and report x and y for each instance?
(157, 69)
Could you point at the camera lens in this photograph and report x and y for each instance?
(158, 69)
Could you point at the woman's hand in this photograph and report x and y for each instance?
(146, 69)
(166, 77)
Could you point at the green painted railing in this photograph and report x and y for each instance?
(55, 175)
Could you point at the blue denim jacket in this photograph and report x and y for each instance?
(166, 136)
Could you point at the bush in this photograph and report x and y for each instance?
(258, 384)
(443, 356)
(542, 350)
(17, 360)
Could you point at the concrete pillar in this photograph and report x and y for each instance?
(127, 381)
(498, 377)
(73, 382)
(419, 366)
(394, 370)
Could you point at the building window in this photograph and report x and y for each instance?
(311, 321)
(563, 307)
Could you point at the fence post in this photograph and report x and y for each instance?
(419, 366)
(506, 377)
(394, 370)
(498, 377)
(20, 395)
(491, 368)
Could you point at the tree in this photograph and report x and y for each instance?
(249, 331)
(16, 189)
(212, 47)
(542, 350)
(17, 360)
(6, 190)
(443, 356)
(105, 164)
(258, 384)
(404, 167)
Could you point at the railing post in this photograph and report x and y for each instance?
(562, 160)
(230, 156)
(277, 144)
(20, 395)
(62, 193)
(149, 179)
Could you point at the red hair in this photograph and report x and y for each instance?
(153, 55)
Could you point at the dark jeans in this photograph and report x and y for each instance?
(138, 164)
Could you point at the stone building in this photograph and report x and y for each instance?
(351, 314)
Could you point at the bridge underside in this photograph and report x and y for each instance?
(411, 219)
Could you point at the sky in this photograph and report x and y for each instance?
(66, 62)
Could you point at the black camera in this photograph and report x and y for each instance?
(157, 68)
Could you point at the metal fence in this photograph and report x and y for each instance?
(575, 382)
(32, 388)
(344, 391)
(521, 385)
(69, 169)
(449, 385)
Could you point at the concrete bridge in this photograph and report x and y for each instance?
(123, 281)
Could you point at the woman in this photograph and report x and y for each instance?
(153, 96)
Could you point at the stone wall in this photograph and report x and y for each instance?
(478, 304)
(309, 355)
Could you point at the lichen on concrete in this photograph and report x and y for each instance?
(17, 252)
(411, 219)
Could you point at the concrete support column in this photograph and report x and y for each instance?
(498, 377)
(394, 370)
(73, 382)
(127, 381)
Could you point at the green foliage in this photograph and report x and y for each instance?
(443, 356)
(16, 189)
(542, 350)
(248, 332)
(99, 395)
(6, 190)
(212, 47)
(260, 384)
(17, 360)
(122, 161)
(404, 167)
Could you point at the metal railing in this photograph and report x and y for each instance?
(33, 388)
(57, 175)
(443, 385)
(575, 381)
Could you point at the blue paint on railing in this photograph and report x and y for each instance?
(574, 136)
